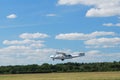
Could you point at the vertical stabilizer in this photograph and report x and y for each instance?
(81, 54)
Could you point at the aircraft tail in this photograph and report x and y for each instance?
(81, 54)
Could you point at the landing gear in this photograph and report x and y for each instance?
(62, 59)
(53, 59)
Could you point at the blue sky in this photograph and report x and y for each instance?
(31, 31)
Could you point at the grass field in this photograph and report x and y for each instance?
(64, 76)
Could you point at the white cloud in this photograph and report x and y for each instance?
(103, 42)
(71, 36)
(51, 15)
(30, 50)
(16, 55)
(98, 56)
(69, 2)
(33, 35)
(103, 12)
(17, 48)
(94, 40)
(93, 52)
(37, 45)
(111, 24)
(99, 8)
(82, 36)
(26, 41)
(11, 16)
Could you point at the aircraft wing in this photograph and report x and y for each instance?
(61, 53)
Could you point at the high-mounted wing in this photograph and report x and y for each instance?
(61, 53)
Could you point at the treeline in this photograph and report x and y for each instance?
(63, 67)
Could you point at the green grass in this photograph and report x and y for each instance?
(64, 76)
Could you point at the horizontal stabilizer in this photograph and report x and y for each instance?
(81, 54)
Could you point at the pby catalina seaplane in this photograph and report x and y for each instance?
(62, 56)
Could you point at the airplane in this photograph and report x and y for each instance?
(62, 56)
